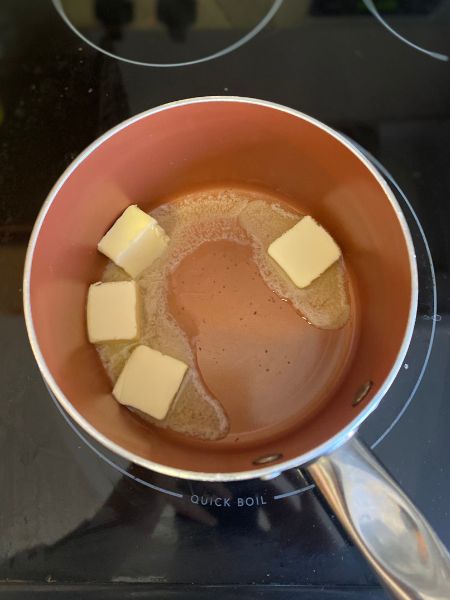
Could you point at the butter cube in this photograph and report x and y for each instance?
(112, 311)
(305, 251)
(150, 381)
(134, 241)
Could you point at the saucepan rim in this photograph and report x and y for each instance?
(325, 448)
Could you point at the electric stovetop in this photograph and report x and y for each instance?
(76, 520)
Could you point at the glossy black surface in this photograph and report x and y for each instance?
(69, 521)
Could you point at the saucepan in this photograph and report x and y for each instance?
(216, 141)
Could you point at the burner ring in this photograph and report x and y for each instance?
(240, 42)
(433, 318)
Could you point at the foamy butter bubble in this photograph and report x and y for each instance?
(232, 215)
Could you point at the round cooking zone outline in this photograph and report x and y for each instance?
(390, 180)
(240, 42)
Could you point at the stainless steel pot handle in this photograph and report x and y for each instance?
(395, 538)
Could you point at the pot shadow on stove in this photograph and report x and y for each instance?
(142, 531)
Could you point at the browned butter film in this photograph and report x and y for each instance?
(261, 352)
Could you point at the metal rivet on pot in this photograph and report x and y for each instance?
(362, 392)
(267, 458)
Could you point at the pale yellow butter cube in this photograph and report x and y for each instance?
(134, 241)
(305, 251)
(112, 311)
(150, 381)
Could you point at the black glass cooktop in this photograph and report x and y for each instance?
(76, 520)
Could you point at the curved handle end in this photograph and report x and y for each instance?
(393, 535)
